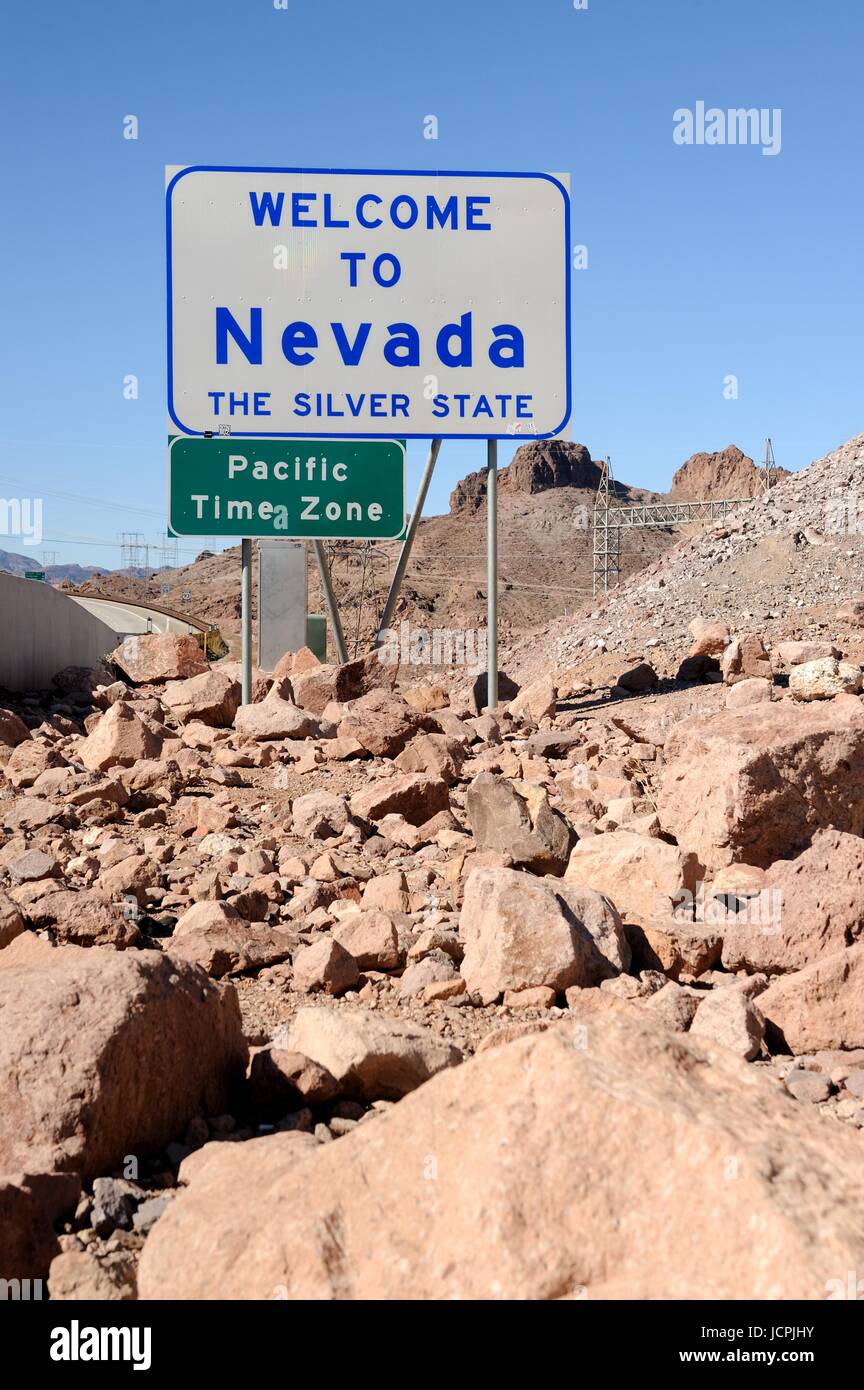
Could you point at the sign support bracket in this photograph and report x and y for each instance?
(408, 543)
(330, 602)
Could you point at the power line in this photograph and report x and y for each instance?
(80, 497)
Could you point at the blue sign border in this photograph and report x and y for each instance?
(399, 173)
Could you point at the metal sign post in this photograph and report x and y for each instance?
(408, 543)
(246, 620)
(330, 602)
(492, 572)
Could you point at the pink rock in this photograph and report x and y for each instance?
(804, 909)
(160, 656)
(213, 698)
(417, 796)
(371, 938)
(588, 1145)
(519, 933)
(732, 789)
(119, 737)
(821, 1006)
(745, 657)
(641, 875)
(372, 1057)
(275, 718)
(325, 966)
(105, 1053)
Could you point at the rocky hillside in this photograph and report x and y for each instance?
(780, 564)
(546, 497)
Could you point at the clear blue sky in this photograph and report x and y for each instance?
(703, 261)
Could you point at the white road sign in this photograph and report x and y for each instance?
(362, 303)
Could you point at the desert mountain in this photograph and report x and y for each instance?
(729, 473)
(546, 498)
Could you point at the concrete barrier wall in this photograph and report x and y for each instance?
(41, 631)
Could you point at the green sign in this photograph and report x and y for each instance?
(35, 574)
(298, 489)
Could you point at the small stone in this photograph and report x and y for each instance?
(113, 1206)
(810, 1087)
(325, 966)
(540, 997)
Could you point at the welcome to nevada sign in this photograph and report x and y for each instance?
(352, 303)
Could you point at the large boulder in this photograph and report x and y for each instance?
(805, 908)
(710, 636)
(821, 1006)
(416, 796)
(823, 679)
(29, 1206)
(727, 1016)
(86, 917)
(640, 874)
(797, 653)
(381, 722)
(515, 818)
(315, 687)
(12, 924)
(608, 1159)
(119, 737)
(520, 932)
(213, 935)
(12, 729)
(750, 785)
(371, 1057)
(325, 967)
(275, 718)
(320, 815)
(212, 698)
(536, 701)
(745, 659)
(160, 656)
(104, 1054)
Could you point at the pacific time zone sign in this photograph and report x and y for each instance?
(321, 303)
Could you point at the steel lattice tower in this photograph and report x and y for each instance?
(606, 565)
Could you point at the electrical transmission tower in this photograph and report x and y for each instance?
(606, 567)
(49, 558)
(769, 467)
(169, 552)
(132, 550)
